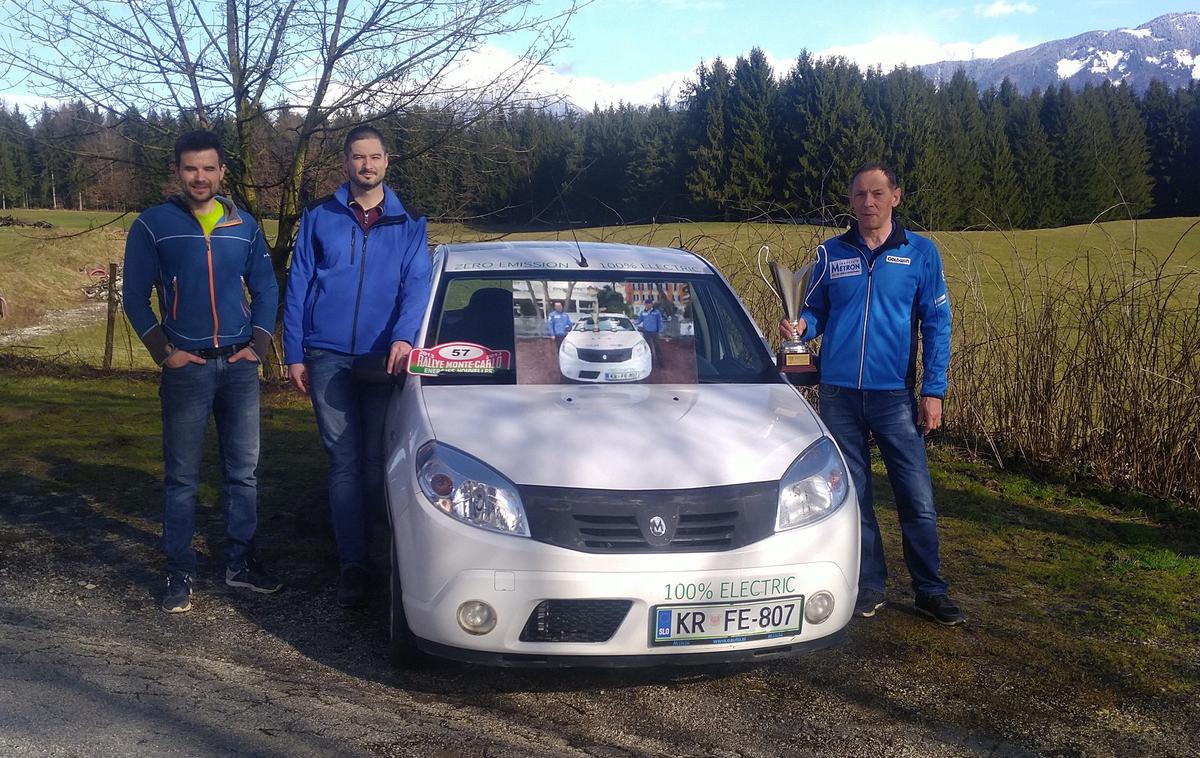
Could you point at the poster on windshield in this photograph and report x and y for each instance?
(626, 332)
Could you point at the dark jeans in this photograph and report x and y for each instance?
(853, 415)
(190, 395)
(350, 417)
(652, 342)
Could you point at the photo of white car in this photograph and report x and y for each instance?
(607, 524)
(604, 348)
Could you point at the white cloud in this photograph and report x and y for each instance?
(1004, 8)
(28, 103)
(891, 50)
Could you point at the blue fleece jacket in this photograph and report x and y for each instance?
(201, 281)
(352, 291)
(869, 306)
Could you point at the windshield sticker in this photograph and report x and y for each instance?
(458, 358)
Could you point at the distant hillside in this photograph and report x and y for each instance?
(1167, 49)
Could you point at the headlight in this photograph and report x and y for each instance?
(469, 490)
(640, 348)
(814, 486)
(569, 349)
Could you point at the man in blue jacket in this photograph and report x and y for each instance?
(650, 321)
(201, 255)
(872, 291)
(559, 324)
(358, 284)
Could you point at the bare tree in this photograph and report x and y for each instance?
(262, 65)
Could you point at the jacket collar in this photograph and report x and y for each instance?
(229, 211)
(391, 203)
(895, 239)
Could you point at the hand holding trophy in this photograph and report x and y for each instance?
(794, 356)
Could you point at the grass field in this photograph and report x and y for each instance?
(1081, 604)
(41, 270)
(1077, 346)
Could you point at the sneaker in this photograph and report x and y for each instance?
(868, 602)
(253, 576)
(177, 595)
(352, 587)
(941, 609)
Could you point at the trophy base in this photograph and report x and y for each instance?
(801, 368)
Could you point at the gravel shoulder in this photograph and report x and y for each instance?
(91, 667)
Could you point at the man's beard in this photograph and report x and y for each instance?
(201, 194)
(366, 183)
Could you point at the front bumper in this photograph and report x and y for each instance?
(445, 563)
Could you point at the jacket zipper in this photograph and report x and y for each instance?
(175, 299)
(362, 269)
(862, 356)
(353, 242)
(212, 292)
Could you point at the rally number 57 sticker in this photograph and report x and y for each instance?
(458, 358)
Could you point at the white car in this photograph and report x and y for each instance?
(607, 348)
(538, 522)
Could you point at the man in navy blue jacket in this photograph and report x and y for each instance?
(872, 291)
(358, 284)
(201, 254)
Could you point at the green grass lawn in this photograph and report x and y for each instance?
(1085, 599)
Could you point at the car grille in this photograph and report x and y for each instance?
(575, 620)
(605, 356)
(704, 519)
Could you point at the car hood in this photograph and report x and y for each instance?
(628, 437)
(603, 340)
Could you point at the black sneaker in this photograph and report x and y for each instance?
(941, 609)
(253, 576)
(353, 586)
(177, 595)
(868, 602)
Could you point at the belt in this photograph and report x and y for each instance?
(219, 352)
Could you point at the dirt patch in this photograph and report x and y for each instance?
(44, 324)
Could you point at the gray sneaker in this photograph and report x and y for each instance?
(254, 577)
(868, 602)
(177, 595)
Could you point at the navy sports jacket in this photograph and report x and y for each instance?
(201, 281)
(868, 307)
(352, 291)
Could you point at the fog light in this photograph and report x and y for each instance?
(477, 617)
(818, 607)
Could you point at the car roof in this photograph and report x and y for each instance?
(567, 255)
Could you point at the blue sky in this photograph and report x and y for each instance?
(636, 50)
(633, 49)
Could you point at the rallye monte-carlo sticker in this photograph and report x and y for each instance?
(458, 358)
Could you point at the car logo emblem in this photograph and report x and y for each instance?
(658, 527)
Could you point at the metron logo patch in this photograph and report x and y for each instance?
(845, 267)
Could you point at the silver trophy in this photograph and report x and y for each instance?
(794, 356)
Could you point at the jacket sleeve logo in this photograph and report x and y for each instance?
(845, 267)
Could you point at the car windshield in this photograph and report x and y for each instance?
(605, 324)
(538, 330)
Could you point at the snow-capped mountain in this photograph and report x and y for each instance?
(1167, 49)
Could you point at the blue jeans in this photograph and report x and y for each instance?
(350, 416)
(891, 416)
(190, 395)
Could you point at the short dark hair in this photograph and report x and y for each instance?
(194, 142)
(363, 131)
(887, 170)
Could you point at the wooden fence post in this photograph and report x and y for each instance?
(112, 315)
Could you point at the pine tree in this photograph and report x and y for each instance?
(752, 155)
(707, 144)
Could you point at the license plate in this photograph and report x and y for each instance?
(617, 376)
(726, 622)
